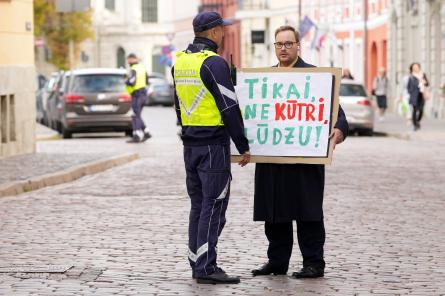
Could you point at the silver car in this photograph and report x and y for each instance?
(357, 106)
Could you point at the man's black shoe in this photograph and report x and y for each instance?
(218, 277)
(268, 268)
(134, 139)
(309, 272)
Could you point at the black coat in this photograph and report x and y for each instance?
(415, 96)
(287, 192)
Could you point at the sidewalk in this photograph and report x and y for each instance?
(399, 127)
(47, 167)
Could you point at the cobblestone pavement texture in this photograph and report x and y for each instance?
(125, 230)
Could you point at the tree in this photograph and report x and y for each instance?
(58, 29)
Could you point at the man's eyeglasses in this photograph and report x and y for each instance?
(280, 45)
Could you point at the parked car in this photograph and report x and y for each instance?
(357, 106)
(42, 96)
(159, 91)
(92, 100)
(52, 113)
(41, 81)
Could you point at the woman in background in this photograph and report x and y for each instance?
(417, 89)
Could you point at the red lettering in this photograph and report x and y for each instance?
(279, 111)
(310, 112)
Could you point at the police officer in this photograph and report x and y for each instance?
(208, 110)
(136, 85)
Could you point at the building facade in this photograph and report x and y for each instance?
(336, 37)
(230, 50)
(17, 96)
(154, 30)
(417, 34)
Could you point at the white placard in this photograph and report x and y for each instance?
(286, 113)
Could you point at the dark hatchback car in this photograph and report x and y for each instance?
(159, 91)
(93, 100)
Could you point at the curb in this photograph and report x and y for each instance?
(400, 136)
(64, 176)
(48, 137)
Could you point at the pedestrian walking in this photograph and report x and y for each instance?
(403, 107)
(136, 85)
(208, 111)
(347, 74)
(380, 88)
(288, 192)
(418, 93)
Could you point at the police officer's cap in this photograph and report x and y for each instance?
(132, 56)
(209, 19)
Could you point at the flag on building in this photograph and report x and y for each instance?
(319, 38)
(305, 26)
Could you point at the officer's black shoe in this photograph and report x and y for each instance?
(147, 136)
(218, 277)
(309, 272)
(268, 268)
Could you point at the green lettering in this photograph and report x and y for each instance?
(251, 83)
(277, 90)
(265, 129)
(265, 111)
(290, 135)
(250, 112)
(292, 90)
(308, 135)
(277, 136)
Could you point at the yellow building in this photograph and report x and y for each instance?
(17, 78)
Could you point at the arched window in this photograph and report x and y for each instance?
(120, 57)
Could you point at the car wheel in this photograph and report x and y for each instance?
(366, 132)
(66, 134)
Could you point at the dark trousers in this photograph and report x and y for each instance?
(138, 99)
(311, 237)
(208, 185)
(417, 114)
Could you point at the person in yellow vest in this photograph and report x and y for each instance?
(136, 85)
(208, 111)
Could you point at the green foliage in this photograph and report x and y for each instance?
(59, 28)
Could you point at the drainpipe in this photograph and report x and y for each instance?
(365, 42)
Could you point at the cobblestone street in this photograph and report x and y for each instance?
(124, 231)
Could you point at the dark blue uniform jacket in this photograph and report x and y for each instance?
(215, 73)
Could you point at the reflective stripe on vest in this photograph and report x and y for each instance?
(141, 78)
(197, 104)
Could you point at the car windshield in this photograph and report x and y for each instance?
(352, 90)
(99, 83)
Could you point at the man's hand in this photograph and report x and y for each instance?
(245, 158)
(337, 137)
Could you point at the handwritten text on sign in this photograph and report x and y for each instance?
(286, 113)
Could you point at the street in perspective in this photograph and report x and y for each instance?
(118, 120)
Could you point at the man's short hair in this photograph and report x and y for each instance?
(203, 34)
(288, 28)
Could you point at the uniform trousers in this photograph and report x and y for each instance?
(208, 180)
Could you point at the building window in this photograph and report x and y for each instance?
(157, 66)
(110, 5)
(120, 57)
(149, 11)
(7, 119)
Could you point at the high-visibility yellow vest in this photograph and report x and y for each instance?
(197, 104)
(141, 78)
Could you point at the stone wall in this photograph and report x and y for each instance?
(17, 110)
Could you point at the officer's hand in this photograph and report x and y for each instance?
(245, 159)
(337, 137)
